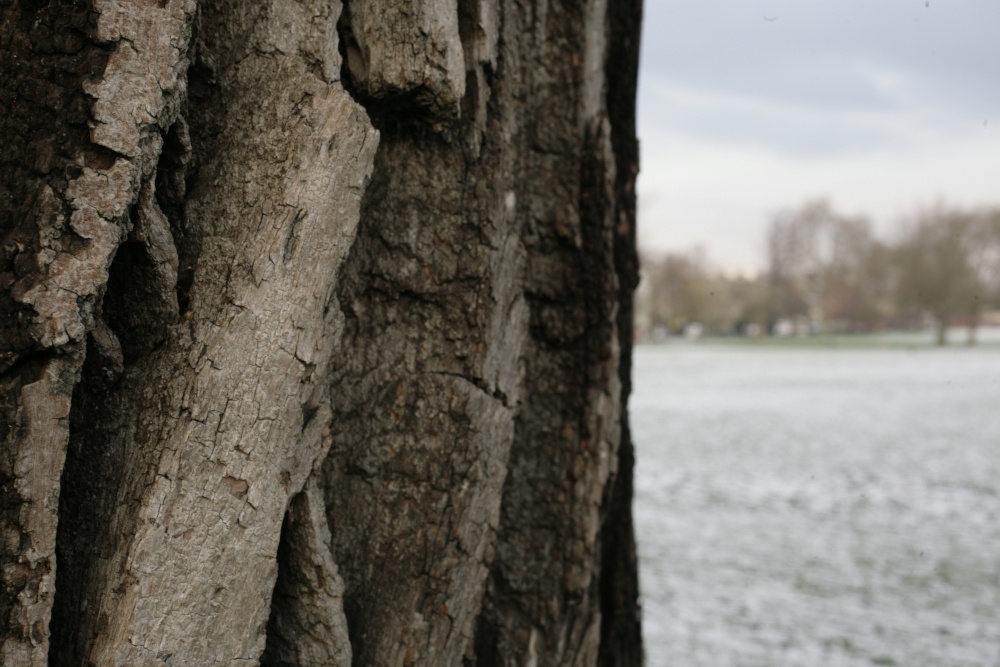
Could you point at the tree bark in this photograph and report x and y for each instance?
(316, 333)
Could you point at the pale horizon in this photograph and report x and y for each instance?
(879, 110)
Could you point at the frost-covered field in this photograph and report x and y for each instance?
(805, 507)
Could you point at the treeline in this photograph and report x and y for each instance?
(828, 272)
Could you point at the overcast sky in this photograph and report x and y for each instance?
(747, 107)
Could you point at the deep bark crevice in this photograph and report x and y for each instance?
(89, 489)
(278, 647)
(306, 626)
(174, 176)
(621, 636)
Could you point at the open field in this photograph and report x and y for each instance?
(802, 505)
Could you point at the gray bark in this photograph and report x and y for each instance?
(303, 370)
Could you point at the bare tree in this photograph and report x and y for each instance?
(825, 266)
(983, 248)
(315, 332)
(936, 266)
(679, 286)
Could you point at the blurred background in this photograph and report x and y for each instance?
(829, 163)
(817, 379)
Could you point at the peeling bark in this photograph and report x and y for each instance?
(282, 388)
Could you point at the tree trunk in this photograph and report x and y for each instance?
(316, 333)
(974, 317)
(941, 330)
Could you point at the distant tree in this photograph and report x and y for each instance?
(682, 288)
(784, 298)
(676, 288)
(822, 265)
(857, 283)
(749, 298)
(983, 248)
(939, 267)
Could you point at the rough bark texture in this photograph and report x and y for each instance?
(298, 369)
